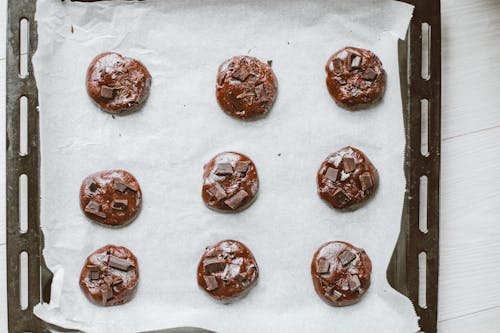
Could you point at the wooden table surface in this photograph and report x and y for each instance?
(469, 286)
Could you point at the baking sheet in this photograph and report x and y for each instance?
(181, 127)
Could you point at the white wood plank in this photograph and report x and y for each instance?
(481, 322)
(470, 66)
(470, 232)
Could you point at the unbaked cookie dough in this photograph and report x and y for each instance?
(347, 178)
(340, 273)
(246, 87)
(227, 270)
(110, 275)
(355, 78)
(112, 198)
(116, 83)
(230, 182)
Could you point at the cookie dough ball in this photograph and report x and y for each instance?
(227, 270)
(230, 182)
(112, 198)
(355, 78)
(110, 275)
(246, 87)
(340, 273)
(116, 83)
(347, 178)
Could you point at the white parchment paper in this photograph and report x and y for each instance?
(181, 127)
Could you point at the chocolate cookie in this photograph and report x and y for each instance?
(230, 182)
(341, 273)
(117, 83)
(110, 275)
(346, 178)
(246, 87)
(227, 270)
(355, 78)
(111, 197)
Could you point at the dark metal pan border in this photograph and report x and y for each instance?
(403, 270)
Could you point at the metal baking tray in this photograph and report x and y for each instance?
(416, 256)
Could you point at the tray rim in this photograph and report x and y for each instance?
(402, 272)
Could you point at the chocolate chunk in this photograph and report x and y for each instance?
(236, 200)
(241, 73)
(344, 285)
(336, 294)
(119, 263)
(106, 292)
(95, 209)
(211, 191)
(369, 75)
(222, 78)
(94, 272)
(331, 174)
(211, 282)
(218, 191)
(107, 92)
(245, 94)
(338, 66)
(93, 186)
(131, 187)
(354, 282)
(242, 277)
(93, 206)
(214, 265)
(261, 93)
(347, 257)
(353, 270)
(119, 204)
(269, 62)
(341, 81)
(242, 167)
(108, 280)
(366, 181)
(323, 266)
(348, 164)
(122, 187)
(355, 61)
(333, 294)
(116, 281)
(222, 169)
(340, 197)
(94, 275)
